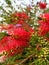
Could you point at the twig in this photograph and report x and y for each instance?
(25, 59)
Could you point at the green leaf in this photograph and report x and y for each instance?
(34, 40)
(1, 7)
(8, 2)
(2, 34)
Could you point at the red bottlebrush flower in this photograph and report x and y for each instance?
(45, 16)
(10, 26)
(42, 5)
(6, 27)
(44, 24)
(19, 33)
(22, 15)
(41, 22)
(43, 29)
(21, 21)
(10, 45)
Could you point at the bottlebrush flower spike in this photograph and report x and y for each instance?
(45, 16)
(42, 5)
(44, 24)
(21, 22)
(11, 45)
(43, 29)
(22, 15)
(19, 32)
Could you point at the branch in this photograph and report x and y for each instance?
(25, 59)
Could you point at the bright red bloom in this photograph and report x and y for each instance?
(21, 21)
(44, 24)
(23, 31)
(10, 44)
(22, 15)
(43, 28)
(19, 33)
(10, 26)
(42, 5)
(41, 22)
(6, 27)
(45, 16)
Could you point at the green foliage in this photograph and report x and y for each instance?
(38, 51)
(8, 2)
(2, 34)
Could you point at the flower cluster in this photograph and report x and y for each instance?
(20, 17)
(12, 45)
(44, 24)
(24, 37)
(42, 5)
(18, 36)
